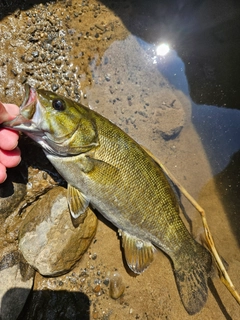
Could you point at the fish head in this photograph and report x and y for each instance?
(60, 125)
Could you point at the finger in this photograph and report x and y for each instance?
(10, 158)
(8, 139)
(4, 116)
(12, 109)
(8, 111)
(3, 173)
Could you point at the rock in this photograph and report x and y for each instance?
(168, 133)
(117, 286)
(169, 119)
(12, 192)
(47, 238)
(9, 259)
(14, 289)
(171, 134)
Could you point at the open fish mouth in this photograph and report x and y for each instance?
(30, 97)
(29, 113)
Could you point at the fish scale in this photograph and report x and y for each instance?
(153, 184)
(107, 169)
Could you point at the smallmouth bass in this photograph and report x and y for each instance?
(106, 168)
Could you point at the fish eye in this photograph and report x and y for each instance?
(58, 105)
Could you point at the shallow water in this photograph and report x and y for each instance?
(183, 107)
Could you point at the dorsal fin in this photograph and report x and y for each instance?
(138, 253)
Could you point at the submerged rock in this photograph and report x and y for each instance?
(48, 240)
(117, 287)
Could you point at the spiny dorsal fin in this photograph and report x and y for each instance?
(138, 253)
(77, 202)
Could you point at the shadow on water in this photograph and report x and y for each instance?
(228, 186)
(219, 130)
(48, 304)
(218, 299)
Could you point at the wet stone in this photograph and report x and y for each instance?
(117, 286)
(12, 192)
(9, 260)
(55, 87)
(35, 54)
(171, 133)
(48, 239)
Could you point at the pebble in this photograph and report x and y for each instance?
(117, 286)
(97, 289)
(95, 314)
(107, 77)
(55, 87)
(35, 54)
(94, 256)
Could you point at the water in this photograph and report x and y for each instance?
(217, 127)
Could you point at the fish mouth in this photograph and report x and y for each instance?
(30, 96)
(26, 120)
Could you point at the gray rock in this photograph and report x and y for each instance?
(48, 240)
(12, 192)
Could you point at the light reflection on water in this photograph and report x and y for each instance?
(217, 127)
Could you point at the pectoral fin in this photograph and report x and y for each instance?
(138, 253)
(77, 202)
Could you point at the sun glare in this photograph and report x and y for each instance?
(162, 49)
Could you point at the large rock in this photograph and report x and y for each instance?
(47, 238)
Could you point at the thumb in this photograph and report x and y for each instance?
(4, 116)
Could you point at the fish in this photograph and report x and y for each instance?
(105, 168)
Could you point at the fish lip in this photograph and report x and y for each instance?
(23, 121)
(26, 97)
(29, 98)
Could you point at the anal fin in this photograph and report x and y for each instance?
(138, 253)
(77, 202)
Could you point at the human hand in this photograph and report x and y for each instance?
(9, 152)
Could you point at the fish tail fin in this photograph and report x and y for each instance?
(191, 274)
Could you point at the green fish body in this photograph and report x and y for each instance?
(106, 168)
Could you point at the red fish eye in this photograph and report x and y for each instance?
(58, 105)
